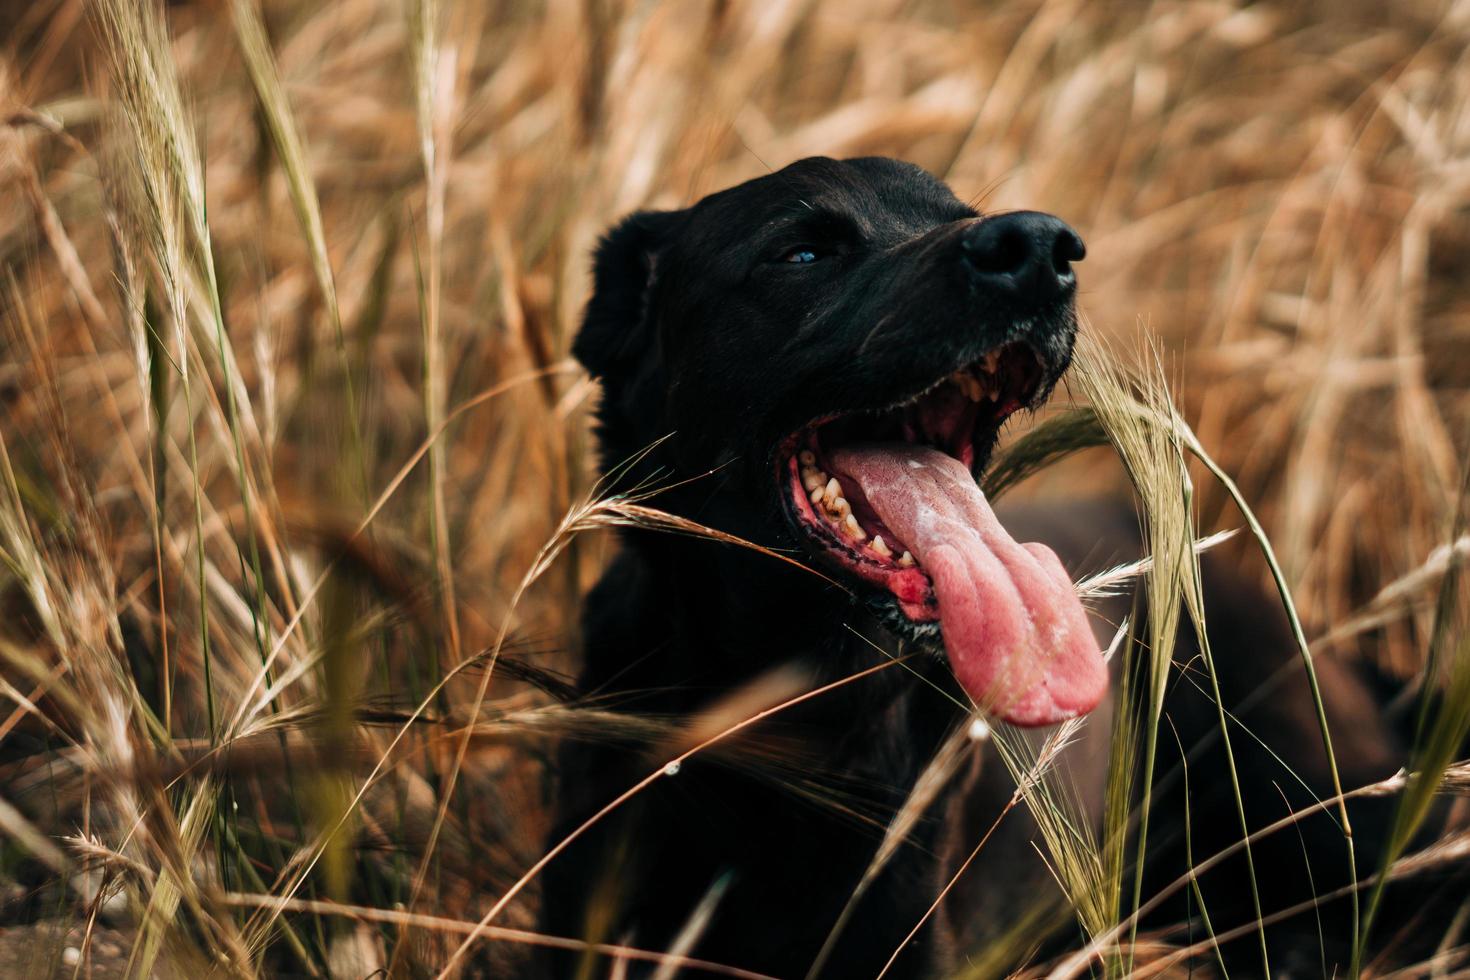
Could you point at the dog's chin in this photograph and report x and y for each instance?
(960, 415)
(886, 611)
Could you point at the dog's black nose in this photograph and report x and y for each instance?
(1026, 252)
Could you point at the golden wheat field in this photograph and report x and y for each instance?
(297, 498)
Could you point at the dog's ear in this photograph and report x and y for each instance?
(624, 270)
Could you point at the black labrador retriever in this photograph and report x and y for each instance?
(818, 361)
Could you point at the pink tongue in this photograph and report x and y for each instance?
(1014, 629)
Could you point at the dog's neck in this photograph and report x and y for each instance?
(677, 625)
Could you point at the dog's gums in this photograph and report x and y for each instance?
(890, 499)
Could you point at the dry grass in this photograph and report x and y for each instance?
(294, 480)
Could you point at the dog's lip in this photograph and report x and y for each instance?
(963, 421)
(908, 586)
(793, 441)
(967, 363)
(1047, 377)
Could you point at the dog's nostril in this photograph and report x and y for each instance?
(1067, 249)
(1024, 250)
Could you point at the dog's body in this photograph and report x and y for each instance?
(837, 289)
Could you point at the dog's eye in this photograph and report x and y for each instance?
(799, 256)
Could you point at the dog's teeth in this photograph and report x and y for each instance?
(995, 394)
(906, 560)
(852, 527)
(817, 494)
(841, 507)
(807, 457)
(832, 491)
(813, 479)
(881, 547)
(991, 360)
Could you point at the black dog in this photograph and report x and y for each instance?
(820, 359)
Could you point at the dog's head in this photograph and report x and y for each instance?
(841, 340)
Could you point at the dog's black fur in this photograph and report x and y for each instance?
(712, 350)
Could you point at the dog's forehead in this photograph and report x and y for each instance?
(880, 196)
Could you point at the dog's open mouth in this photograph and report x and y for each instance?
(890, 498)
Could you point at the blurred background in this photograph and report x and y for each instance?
(288, 433)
